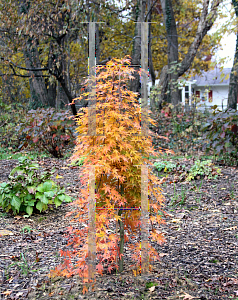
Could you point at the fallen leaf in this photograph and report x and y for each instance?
(151, 289)
(57, 176)
(186, 296)
(176, 220)
(5, 232)
(163, 254)
(8, 292)
(85, 290)
(230, 228)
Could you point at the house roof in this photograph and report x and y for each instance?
(214, 77)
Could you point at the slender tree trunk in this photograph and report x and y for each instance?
(233, 85)
(121, 245)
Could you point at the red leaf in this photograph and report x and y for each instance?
(234, 128)
(35, 140)
(99, 267)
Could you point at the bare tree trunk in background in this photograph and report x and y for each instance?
(233, 85)
(31, 55)
(151, 67)
(37, 84)
(172, 40)
(52, 94)
(136, 53)
(170, 75)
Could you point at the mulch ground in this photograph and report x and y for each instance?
(198, 261)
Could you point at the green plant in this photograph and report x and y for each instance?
(202, 169)
(150, 284)
(26, 229)
(179, 198)
(3, 215)
(28, 189)
(77, 162)
(221, 135)
(22, 264)
(47, 130)
(165, 166)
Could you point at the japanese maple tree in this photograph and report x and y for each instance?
(117, 152)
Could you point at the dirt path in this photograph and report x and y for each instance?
(198, 261)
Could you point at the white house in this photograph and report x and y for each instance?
(211, 88)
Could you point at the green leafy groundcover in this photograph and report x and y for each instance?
(28, 189)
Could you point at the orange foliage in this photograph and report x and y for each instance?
(117, 152)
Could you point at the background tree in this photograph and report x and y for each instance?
(233, 85)
(44, 45)
(176, 67)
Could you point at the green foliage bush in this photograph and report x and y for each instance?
(202, 169)
(221, 135)
(199, 168)
(28, 189)
(10, 116)
(165, 166)
(47, 130)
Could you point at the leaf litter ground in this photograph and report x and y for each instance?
(198, 261)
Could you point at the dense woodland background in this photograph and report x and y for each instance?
(44, 45)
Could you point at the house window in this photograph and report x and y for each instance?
(203, 96)
(198, 94)
(186, 94)
(210, 96)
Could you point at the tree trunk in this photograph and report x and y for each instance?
(31, 55)
(37, 84)
(121, 245)
(151, 67)
(170, 74)
(136, 53)
(52, 94)
(233, 85)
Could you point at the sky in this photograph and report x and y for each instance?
(228, 41)
(228, 44)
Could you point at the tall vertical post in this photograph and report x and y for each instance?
(91, 225)
(92, 82)
(144, 78)
(144, 221)
(92, 132)
(144, 169)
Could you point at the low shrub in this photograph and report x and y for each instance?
(199, 169)
(29, 190)
(10, 116)
(47, 130)
(202, 169)
(165, 166)
(221, 136)
(179, 131)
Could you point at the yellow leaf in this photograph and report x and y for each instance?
(57, 176)
(176, 220)
(5, 232)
